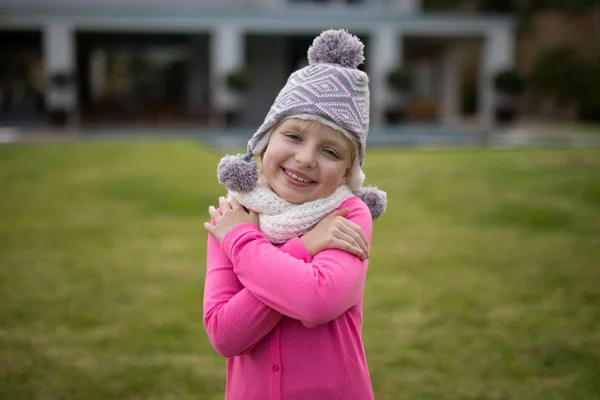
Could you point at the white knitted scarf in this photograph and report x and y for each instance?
(280, 220)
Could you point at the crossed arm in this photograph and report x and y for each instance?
(234, 318)
(251, 284)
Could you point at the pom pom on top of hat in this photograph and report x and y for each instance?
(337, 46)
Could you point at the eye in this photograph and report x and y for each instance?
(294, 137)
(332, 153)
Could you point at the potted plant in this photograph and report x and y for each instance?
(238, 84)
(237, 81)
(400, 81)
(61, 99)
(509, 85)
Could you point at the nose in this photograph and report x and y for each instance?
(305, 157)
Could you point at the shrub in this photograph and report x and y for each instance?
(62, 79)
(509, 82)
(399, 79)
(557, 73)
(237, 80)
(589, 95)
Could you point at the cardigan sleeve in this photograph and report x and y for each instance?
(234, 318)
(313, 291)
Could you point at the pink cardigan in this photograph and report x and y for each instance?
(290, 325)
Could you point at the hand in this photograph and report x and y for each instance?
(232, 214)
(336, 232)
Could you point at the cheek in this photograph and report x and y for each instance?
(336, 174)
(269, 161)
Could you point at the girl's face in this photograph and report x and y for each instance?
(306, 160)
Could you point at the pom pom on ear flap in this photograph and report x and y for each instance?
(375, 199)
(238, 173)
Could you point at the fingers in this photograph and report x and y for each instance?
(359, 231)
(340, 213)
(214, 214)
(344, 212)
(224, 204)
(346, 245)
(356, 232)
(209, 227)
(354, 239)
(234, 203)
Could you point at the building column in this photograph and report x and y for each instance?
(98, 74)
(424, 73)
(450, 114)
(226, 55)
(498, 54)
(59, 57)
(405, 6)
(384, 54)
(269, 4)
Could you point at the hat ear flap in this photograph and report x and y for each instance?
(356, 177)
(375, 199)
(238, 173)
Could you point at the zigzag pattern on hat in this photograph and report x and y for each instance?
(338, 94)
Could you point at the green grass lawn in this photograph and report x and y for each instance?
(484, 280)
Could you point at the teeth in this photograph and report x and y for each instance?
(296, 177)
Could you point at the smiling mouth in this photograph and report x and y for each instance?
(296, 177)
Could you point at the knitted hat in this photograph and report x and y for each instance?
(330, 90)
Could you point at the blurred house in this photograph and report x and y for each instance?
(145, 60)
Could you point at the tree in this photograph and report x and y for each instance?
(589, 100)
(557, 73)
(521, 10)
(399, 79)
(520, 7)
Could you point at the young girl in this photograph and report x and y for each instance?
(287, 251)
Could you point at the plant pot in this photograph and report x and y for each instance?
(395, 116)
(59, 117)
(505, 115)
(232, 118)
